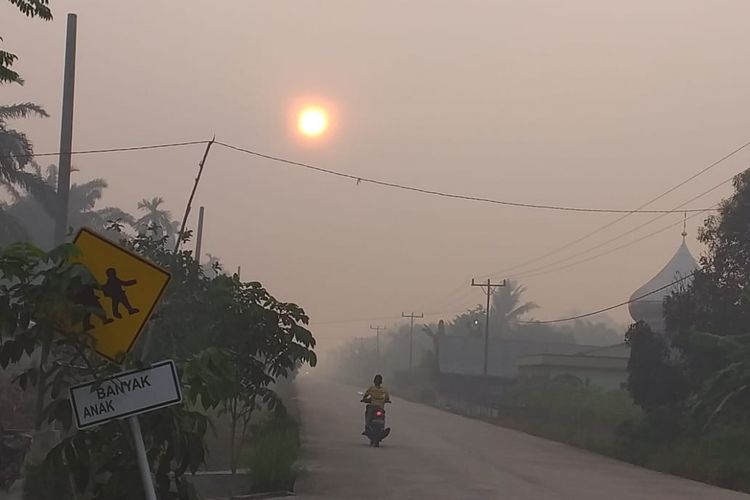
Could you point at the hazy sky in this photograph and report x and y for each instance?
(583, 103)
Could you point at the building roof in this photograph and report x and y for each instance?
(649, 309)
(464, 355)
(612, 357)
(620, 350)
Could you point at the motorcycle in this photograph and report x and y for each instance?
(375, 429)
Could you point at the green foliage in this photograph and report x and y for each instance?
(717, 365)
(583, 416)
(582, 404)
(34, 8)
(31, 8)
(230, 340)
(272, 455)
(720, 456)
(654, 381)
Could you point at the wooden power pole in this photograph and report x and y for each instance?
(488, 288)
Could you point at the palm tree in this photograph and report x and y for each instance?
(16, 150)
(37, 212)
(16, 155)
(156, 219)
(507, 308)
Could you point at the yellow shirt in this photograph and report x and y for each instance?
(378, 395)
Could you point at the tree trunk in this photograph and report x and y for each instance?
(41, 387)
(232, 457)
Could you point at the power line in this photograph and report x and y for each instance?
(443, 194)
(540, 270)
(112, 150)
(551, 267)
(607, 252)
(619, 219)
(599, 311)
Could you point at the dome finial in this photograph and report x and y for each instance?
(684, 226)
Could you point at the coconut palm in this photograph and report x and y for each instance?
(507, 307)
(35, 213)
(16, 150)
(156, 219)
(16, 157)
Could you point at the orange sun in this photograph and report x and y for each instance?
(312, 121)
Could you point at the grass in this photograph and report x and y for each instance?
(272, 454)
(586, 417)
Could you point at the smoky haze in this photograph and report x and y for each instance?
(580, 103)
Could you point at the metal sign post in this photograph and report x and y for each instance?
(140, 451)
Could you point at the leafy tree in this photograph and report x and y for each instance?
(716, 300)
(654, 380)
(258, 337)
(725, 395)
(31, 8)
(261, 339)
(468, 323)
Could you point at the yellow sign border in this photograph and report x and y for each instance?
(134, 255)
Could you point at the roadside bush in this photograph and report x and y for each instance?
(272, 455)
(720, 456)
(570, 402)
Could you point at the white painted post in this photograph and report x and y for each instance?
(140, 451)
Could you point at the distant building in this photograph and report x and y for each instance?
(463, 355)
(605, 367)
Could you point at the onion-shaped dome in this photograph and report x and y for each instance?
(650, 309)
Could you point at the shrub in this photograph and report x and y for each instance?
(272, 455)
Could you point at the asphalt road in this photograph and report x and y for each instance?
(433, 454)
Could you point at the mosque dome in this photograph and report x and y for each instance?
(650, 309)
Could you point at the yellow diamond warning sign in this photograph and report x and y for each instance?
(129, 287)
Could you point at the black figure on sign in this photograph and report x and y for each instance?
(113, 289)
(86, 297)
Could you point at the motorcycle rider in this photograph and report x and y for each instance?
(376, 396)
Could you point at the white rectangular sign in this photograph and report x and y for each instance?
(126, 394)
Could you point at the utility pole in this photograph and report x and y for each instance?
(199, 237)
(411, 335)
(377, 340)
(192, 195)
(66, 132)
(488, 288)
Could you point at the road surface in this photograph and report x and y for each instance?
(434, 455)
